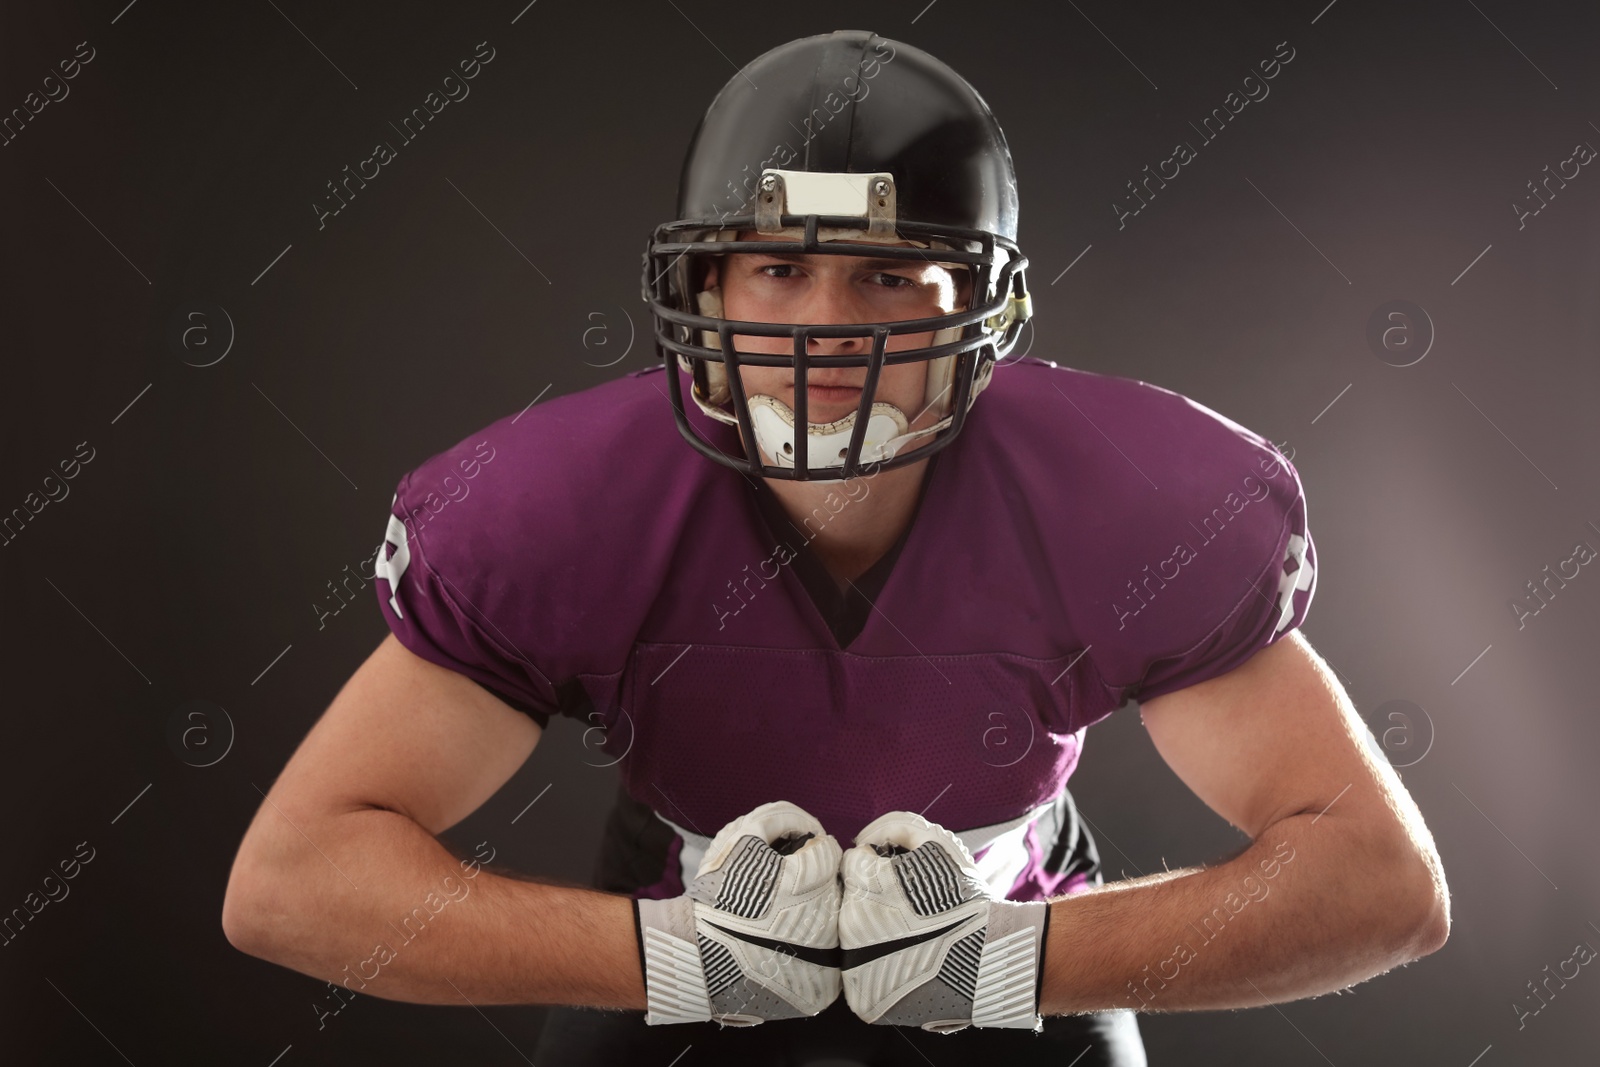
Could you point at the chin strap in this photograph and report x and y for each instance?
(774, 425)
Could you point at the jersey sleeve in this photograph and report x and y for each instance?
(1263, 596)
(435, 603)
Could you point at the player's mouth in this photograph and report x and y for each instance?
(833, 394)
(829, 403)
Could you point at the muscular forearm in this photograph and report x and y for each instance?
(380, 907)
(1306, 909)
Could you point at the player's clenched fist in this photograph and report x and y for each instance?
(925, 941)
(756, 935)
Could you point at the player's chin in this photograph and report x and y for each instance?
(827, 414)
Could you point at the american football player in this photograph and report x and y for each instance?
(843, 627)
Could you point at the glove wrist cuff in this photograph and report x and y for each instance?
(1012, 965)
(674, 975)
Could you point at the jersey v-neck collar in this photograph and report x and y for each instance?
(844, 612)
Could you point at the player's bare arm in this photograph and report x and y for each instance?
(343, 850)
(1341, 881)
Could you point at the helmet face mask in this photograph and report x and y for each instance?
(795, 288)
(935, 187)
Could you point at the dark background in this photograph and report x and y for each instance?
(497, 257)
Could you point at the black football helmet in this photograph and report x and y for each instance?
(846, 141)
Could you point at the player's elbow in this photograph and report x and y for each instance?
(1423, 898)
(254, 904)
(1434, 929)
(240, 916)
(236, 920)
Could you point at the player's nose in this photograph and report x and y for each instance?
(834, 305)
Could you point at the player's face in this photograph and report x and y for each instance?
(810, 289)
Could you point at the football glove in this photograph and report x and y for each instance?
(756, 934)
(926, 943)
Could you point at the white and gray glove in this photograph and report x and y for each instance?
(756, 934)
(926, 943)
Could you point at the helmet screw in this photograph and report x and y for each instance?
(768, 184)
(880, 188)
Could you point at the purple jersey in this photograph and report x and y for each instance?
(1087, 540)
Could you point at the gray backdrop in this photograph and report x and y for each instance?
(237, 382)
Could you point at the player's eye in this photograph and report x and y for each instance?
(877, 279)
